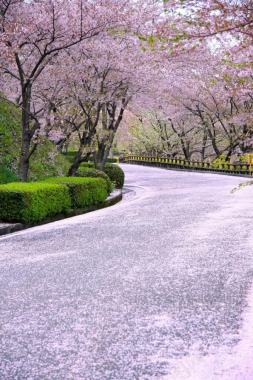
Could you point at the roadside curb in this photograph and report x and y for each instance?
(115, 197)
(6, 228)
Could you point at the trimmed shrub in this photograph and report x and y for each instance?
(116, 174)
(93, 173)
(32, 202)
(83, 191)
(87, 165)
(113, 160)
(6, 175)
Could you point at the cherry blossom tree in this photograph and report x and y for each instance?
(110, 71)
(35, 36)
(218, 16)
(76, 67)
(38, 36)
(198, 114)
(208, 40)
(4, 6)
(226, 25)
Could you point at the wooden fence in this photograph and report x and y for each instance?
(177, 163)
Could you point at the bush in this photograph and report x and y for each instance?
(93, 173)
(32, 202)
(6, 175)
(87, 165)
(70, 155)
(47, 162)
(10, 134)
(113, 160)
(116, 174)
(83, 191)
(219, 161)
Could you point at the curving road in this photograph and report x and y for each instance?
(156, 287)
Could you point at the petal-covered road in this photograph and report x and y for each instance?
(155, 287)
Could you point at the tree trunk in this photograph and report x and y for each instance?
(24, 160)
(213, 142)
(104, 147)
(185, 150)
(110, 125)
(203, 148)
(77, 161)
(100, 158)
(84, 149)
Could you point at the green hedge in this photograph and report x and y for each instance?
(113, 160)
(116, 174)
(93, 173)
(83, 191)
(32, 202)
(6, 175)
(86, 165)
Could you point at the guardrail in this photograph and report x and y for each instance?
(177, 163)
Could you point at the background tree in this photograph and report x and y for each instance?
(36, 36)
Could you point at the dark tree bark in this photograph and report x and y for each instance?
(203, 148)
(78, 159)
(26, 133)
(111, 120)
(86, 136)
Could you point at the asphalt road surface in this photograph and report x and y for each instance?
(158, 286)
